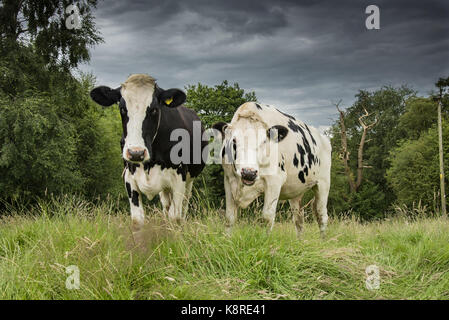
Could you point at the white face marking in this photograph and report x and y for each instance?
(138, 99)
(250, 137)
(255, 150)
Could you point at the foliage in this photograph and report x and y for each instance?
(388, 104)
(53, 138)
(50, 143)
(42, 24)
(339, 191)
(218, 103)
(419, 116)
(414, 171)
(38, 148)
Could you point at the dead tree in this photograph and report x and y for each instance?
(354, 184)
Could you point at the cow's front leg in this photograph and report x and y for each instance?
(135, 202)
(271, 198)
(177, 197)
(165, 196)
(231, 208)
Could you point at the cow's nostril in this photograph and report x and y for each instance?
(249, 174)
(136, 154)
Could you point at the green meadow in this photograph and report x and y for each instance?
(198, 260)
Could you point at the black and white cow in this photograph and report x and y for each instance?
(266, 151)
(149, 116)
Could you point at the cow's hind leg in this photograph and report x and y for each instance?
(188, 195)
(298, 215)
(321, 191)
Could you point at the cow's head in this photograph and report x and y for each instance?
(141, 102)
(250, 146)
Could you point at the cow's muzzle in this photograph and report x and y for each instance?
(135, 154)
(249, 176)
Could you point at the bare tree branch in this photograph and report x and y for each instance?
(344, 155)
(360, 165)
(344, 146)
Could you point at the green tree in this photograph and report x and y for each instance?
(42, 23)
(98, 134)
(37, 148)
(387, 105)
(420, 115)
(52, 144)
(414, 171)
(53, 138)
(218, 103)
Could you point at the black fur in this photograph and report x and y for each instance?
(135, 198)
(281, 133)
(128, 189)
(106, 96)
(295, 161)
(301, 177)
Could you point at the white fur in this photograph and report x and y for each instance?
(173, 191)
(138, 96)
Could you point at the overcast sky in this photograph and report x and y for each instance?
(297, 55)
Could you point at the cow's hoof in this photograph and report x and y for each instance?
(323, 235)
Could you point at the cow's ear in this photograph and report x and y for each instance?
(106, 96)
(277, 133)
(221, 127)
(172, 97)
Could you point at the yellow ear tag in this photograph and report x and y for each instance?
(168, 101)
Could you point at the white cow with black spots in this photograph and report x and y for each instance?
(269, 152)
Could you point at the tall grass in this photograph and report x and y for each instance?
(199, 261)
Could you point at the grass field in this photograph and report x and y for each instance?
(199, 261)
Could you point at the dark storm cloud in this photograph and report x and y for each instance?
(299, 56)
